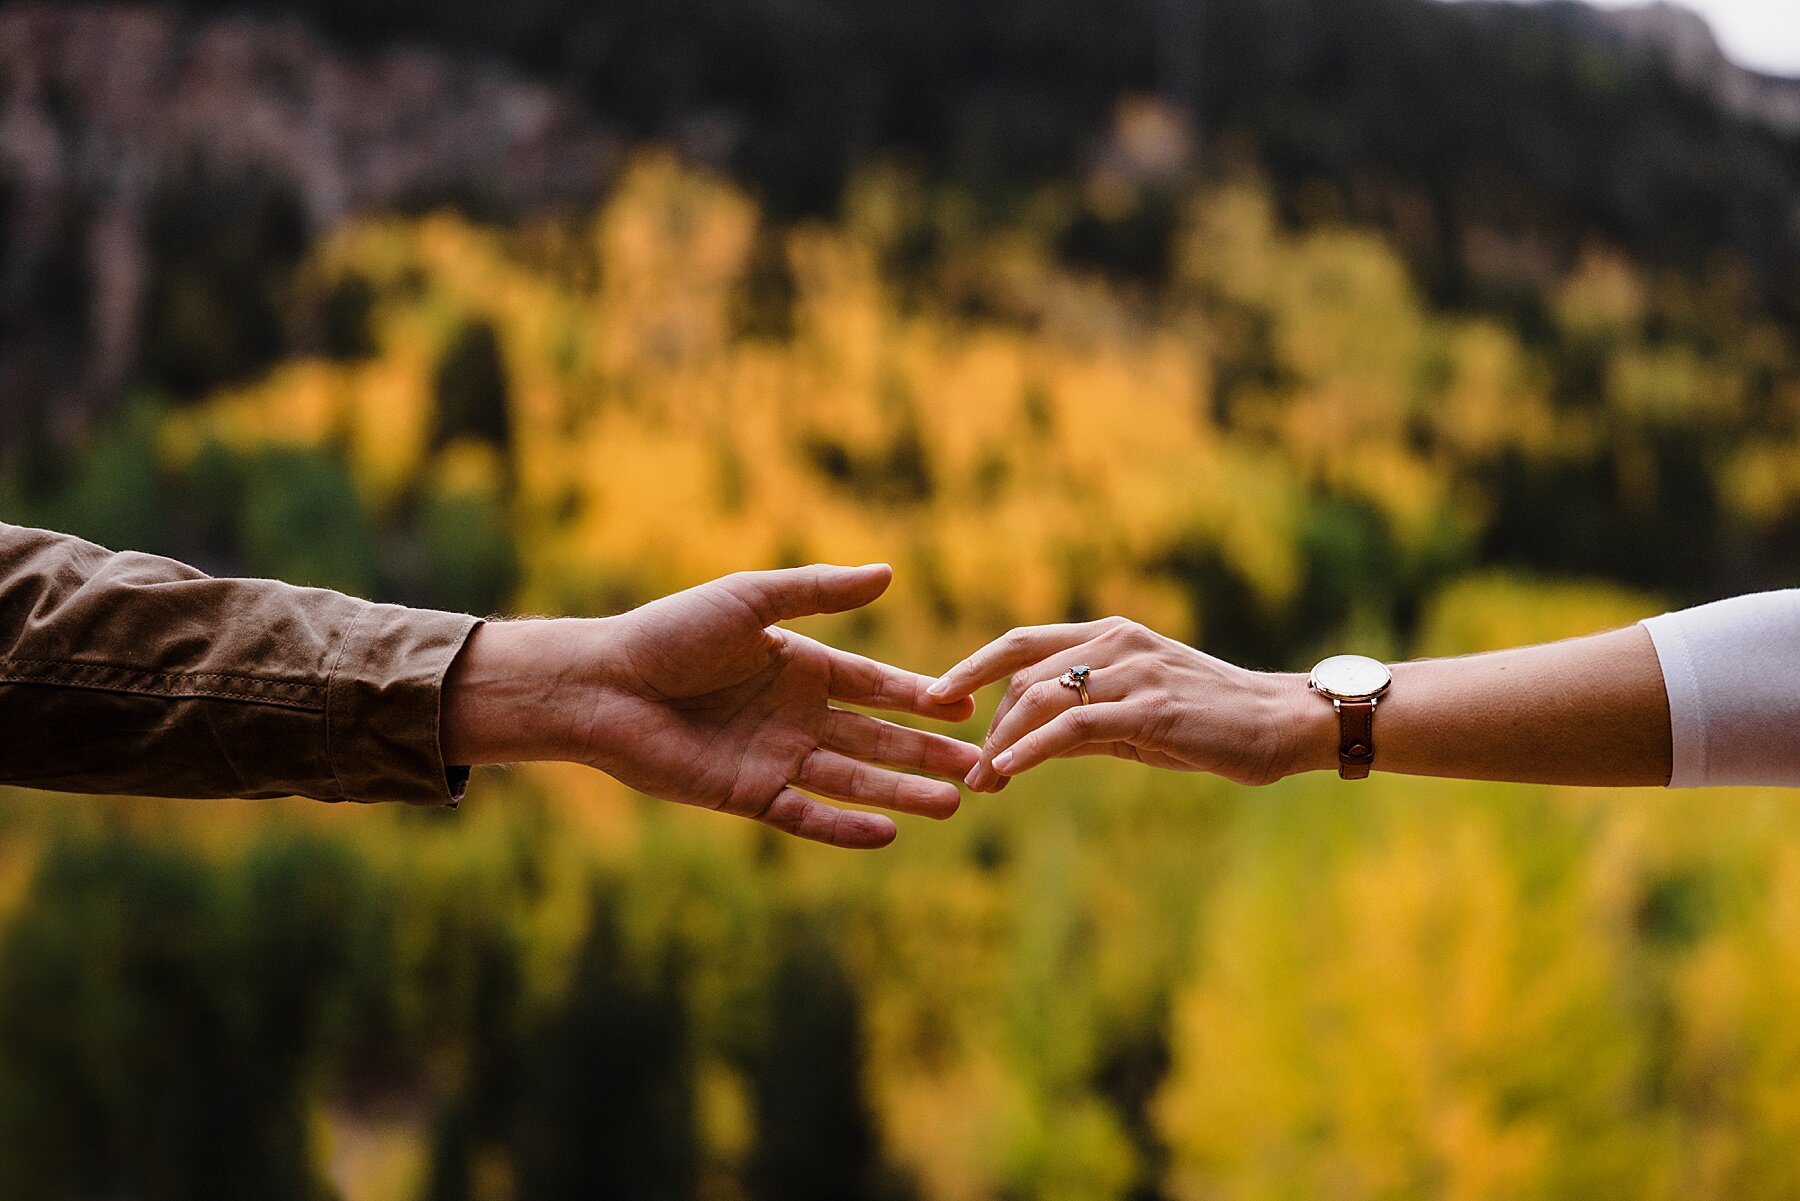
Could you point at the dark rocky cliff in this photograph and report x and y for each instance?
(135, 144)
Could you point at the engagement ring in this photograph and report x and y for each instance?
(1076, 677)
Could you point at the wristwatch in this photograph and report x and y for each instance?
(1353, 683)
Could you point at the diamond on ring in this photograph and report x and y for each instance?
(1077, 678)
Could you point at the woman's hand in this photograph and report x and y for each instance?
(1152, 699)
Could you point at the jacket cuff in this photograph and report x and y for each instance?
(382, 705)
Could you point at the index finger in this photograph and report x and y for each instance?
(1011, 651)
(876, 741)
(860, 681)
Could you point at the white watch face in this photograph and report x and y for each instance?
(1351, 677)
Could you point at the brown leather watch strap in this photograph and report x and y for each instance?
(1356, 738)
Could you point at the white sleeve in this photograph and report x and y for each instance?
(1732, 670)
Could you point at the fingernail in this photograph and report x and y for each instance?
(937, 688)
(1003, 762)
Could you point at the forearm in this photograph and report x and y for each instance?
(1586, 711)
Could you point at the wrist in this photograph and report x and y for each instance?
(1309, 722)
(520, 691)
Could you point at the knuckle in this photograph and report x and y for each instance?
(1144, 674)
(764, 810)
(744, 588)
(1146, 642)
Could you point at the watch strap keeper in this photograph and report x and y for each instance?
(1356, 737)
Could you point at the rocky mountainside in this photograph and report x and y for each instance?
(163, 168)
(130, 137)
(1682, 39)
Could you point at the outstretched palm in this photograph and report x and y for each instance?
(710, 704)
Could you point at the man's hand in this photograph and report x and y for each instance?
(699, 698)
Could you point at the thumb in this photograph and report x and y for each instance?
(800, 591)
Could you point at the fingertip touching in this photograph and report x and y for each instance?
(952, 685)
(983, 778)
(956, 709)
(961, 758)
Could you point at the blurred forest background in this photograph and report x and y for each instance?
(1281, 325)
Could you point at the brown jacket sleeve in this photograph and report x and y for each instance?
(130, 673)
